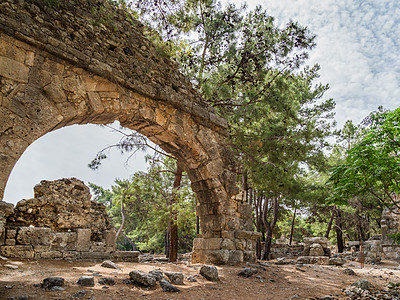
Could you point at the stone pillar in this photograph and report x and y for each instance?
(225, 236)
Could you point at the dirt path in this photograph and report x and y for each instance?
(276, 282)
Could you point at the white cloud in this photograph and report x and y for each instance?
(357, 47)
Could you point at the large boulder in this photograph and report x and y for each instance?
(209, 272)
(142, 278)
(175, 277)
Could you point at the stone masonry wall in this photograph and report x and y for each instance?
(390, 223)
(83, 62)
(285, 250)
(61, 222)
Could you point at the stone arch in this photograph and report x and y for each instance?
(51, 81)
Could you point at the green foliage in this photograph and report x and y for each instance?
(395, 237)
(147, 197)
(372, 166)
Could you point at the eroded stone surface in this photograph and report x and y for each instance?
(60, 205)
(60, 67)
(54, 211)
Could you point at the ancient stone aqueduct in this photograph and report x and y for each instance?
(72, 64)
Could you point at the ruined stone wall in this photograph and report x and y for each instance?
(107, 42)
(285, 250)
(390, 223)
(60, 222)
(83, 62)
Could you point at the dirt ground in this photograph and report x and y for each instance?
(276, 282)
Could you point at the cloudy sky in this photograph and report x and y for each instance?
(358, 49)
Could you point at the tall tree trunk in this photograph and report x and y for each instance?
(268, 243)
(245, 187)
(173, 234)
(258, 209)
(328, 230)
(339, 231)
(197, 225)
(269, 226)
(122, 223)
(166, 242)
(292, 228)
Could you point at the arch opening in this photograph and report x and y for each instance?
(41, 93)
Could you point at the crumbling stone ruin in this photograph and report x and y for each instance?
(390, 223)
(316, 251)
(287, 251)
(60, 222)
(60, 67)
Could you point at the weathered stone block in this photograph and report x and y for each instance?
(11, 233)
(228, 234)
(55, 93)
(249, 256)
(240, 244)
(97, 247)
(217, 257)
(10, 242)
(71, 255)
(95, 102)
(209, 244)
(228, 244)
(17, 251)
(49, 255)
(316, 250)
(109, 238)
(65, 241)
(83, 239)
(13, 69)
(41, 248)
(236, 257)
(130, 256)
(323, 241)
(35, 236)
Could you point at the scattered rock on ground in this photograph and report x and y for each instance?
(79, 294)
(175, 277)
(362, 284)
(142, 278)
(107, 281)
(349, 271)
(248, 272)
(209, 272)
(57, 289)
(168, 287)
(86, 281)
(157, 274)
(49, 282)
(191, 278)
(109, 264)
(336, 261)
(259, 267)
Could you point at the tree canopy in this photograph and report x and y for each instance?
(372, 166)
